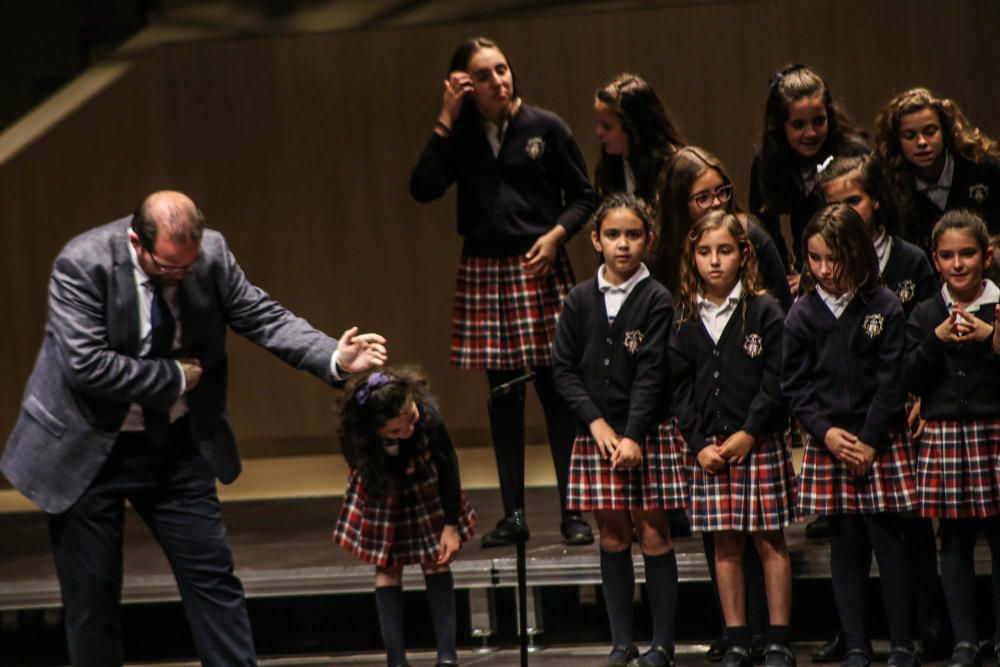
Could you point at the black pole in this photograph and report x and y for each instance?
(519, 523)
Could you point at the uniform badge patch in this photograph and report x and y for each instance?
(905, 291)
(535, 147)
(979, 193)
(872, 326)
(632, 340)
(753, 345)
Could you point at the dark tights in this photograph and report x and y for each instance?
(850, 561)
(958, 571)
(507, 428)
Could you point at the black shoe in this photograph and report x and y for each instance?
(778, 655)
(818, 528)
(576, 531)
(621, 656)
(737, 656)
(717, 649)
(966, 654)
(902, 657)
(857, 658)
(832, 651)
(656, 656)
(506, 533)
(758, 646)
(446, 663)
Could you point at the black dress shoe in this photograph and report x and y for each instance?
(832, 651)
(818, 528)
(576, 531)
(717, 649)
(656, 656)
(621, 656)
(966, 654)
(446, 663)
(758, 645)
(902, 657)
(778, 655)
(507, 532)
(737, 656)
(857, 658)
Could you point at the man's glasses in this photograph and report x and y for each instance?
(170, 269)
(706, 199)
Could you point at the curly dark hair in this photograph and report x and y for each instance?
(959, 134)
(652, 135)
(370, 400)
(778, 163)
(847, 236)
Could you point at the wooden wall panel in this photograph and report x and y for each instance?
(299, 148)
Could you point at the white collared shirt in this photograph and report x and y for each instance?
(938, 192)
(144, 299)
(836, 304)
(629, 177)
(615, 295)
(494, 134)
(989, 295)
(715, 317)
(883, 244)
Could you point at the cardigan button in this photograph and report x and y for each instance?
(610, 341)
(607, 362)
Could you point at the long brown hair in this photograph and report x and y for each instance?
(960, 136)
(691, 283)
(652, 135)
(685, 167)
(778, 161)
(845, 233)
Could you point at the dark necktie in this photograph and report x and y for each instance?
(163, 328)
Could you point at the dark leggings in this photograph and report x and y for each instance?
(958, 570)
(850, 561)
(507, 428)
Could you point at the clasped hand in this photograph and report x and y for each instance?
(622, 452)
(856, 454)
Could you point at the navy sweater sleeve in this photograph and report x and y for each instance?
(652, 370)
(769, 401)
(924, 350)
(683, 360)
(446, 462)
(567, 354)
(887, 404)
(798, 359)
(435, 170)
(571, 172)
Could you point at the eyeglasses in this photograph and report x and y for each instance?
(706, 199)
(171, 269)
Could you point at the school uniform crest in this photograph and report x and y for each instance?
(535, 147)
(905, 291)
(872, 326)
(979, 193)
(753, 345)
(632, 340)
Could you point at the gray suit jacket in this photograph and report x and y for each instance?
(88, 372)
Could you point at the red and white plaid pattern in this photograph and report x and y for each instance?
(399, 529)
(756, 495)
(505, 319)
(958, 471)
(659, 482)
(826, 487)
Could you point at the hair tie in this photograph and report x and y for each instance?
(821, 167)
(775, 79)
(375, 380)
(780, 75)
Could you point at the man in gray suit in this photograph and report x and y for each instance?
(127, 401)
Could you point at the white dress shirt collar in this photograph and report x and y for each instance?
(836, 304)
(714, 316)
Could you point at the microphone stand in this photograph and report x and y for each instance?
(519, 524)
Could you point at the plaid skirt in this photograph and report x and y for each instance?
(826, 487)
(657, 483)
(958, 470)
(399, 529)
(756, 495)
(505, 319)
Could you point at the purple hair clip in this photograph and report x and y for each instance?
(776, 78)
(375, 380)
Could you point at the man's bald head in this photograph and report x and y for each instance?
(171, 214)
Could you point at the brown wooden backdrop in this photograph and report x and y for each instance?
(299, 148)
